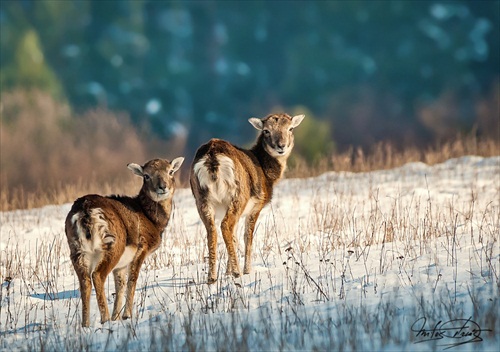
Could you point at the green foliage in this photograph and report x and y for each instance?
(313, 138)
(29, 68)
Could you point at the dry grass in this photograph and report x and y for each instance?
(384, 156)
(49, 156)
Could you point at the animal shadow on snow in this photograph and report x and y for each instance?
(53, 296)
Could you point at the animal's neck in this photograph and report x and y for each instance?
(157, 212)
(273, 167)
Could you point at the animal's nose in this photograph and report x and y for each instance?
(162, 187)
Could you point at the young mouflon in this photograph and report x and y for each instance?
(229, 182)
(116, 233)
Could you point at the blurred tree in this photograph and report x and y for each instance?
(313, 139)
(28, 69)
(199, 69)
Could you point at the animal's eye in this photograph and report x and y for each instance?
(171, 172)
(267, 132)
(147, 177)
(290, 129)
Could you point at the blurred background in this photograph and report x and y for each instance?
(88, 86)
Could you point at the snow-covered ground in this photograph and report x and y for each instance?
(404, 259)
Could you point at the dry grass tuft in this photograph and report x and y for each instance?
(49, 156)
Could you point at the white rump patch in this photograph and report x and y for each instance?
(75, 221)
(222, 190)
(202, 173)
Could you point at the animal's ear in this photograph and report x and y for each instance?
(136, 169)
(297, 119)
(176, 164)
(257, 123)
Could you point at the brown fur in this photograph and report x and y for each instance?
(235, 180)
(99, 229)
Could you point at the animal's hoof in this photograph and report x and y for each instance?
(211, 280)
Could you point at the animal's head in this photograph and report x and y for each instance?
(158, 177)
(277, 132)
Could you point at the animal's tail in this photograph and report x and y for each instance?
(91, 225)
(215, 172)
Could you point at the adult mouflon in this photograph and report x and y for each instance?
(230, 182)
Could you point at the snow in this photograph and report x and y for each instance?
(368, 261)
